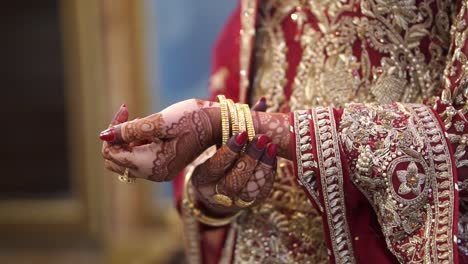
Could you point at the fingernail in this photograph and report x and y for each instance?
(262, 141)
(271, 151)
(107, 135)
(123, 105)
(263, 99)
(241, 138)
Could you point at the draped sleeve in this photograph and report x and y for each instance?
(402, 164)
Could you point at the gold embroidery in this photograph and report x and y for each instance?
(336, 67)
(270, 54)
(304, 156)
(404, 170)
(332, 72)
(247, 32)
(285, 229)
(329, 161)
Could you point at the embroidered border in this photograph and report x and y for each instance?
(331, 171)
(443, 185)
(247, 32)
(401, 162)
(306, 165)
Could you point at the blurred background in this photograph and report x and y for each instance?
(66, 66)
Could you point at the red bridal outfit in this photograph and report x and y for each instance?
(377, 94)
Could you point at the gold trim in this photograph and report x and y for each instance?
(223, 105)
(248, 121)
(247, 33)
(329, 162)
(234, 117)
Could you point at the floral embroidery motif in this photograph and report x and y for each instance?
(411, 180)
(404, 169)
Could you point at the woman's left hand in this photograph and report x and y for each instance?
(161, 145)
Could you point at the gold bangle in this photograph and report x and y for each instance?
(188, 203)
(248, 121)
(241, 115)
(224, 118)
(234, 117)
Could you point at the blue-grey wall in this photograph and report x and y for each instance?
(180, 36)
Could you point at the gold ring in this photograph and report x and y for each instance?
(125, 178)
(222, 199)
(243, 204)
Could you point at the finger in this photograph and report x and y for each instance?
(261, 105)
(111, 166)
(260, 183)
(147, 128)
(215, 168)
(109, 149)
(245, 166)
(121, 116)
(140, 143)
(155, 161)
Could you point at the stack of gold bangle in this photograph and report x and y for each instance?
(235, 118)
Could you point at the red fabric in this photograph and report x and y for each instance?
(368, 243)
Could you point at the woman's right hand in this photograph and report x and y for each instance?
(246, 176)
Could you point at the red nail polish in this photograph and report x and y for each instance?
(262, 141)
(107, 135)
(272, 149)
(263, 99)
(241, 138)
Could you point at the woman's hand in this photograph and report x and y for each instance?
(246, 176)
(159, 146)
(228, 167)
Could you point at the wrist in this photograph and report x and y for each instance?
(275, 126)
(214, 115)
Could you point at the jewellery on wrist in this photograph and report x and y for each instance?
(222, 199)
(224, 118)
(125, 178)
(248, 121)
(234, 117)
(188, 203)
(241, 115)
(243, 204)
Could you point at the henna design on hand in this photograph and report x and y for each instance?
(192, 131)
(259, 185)
(143, 129)
(176, 140)
(275, 126)
(208, 174)
(244, 167)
